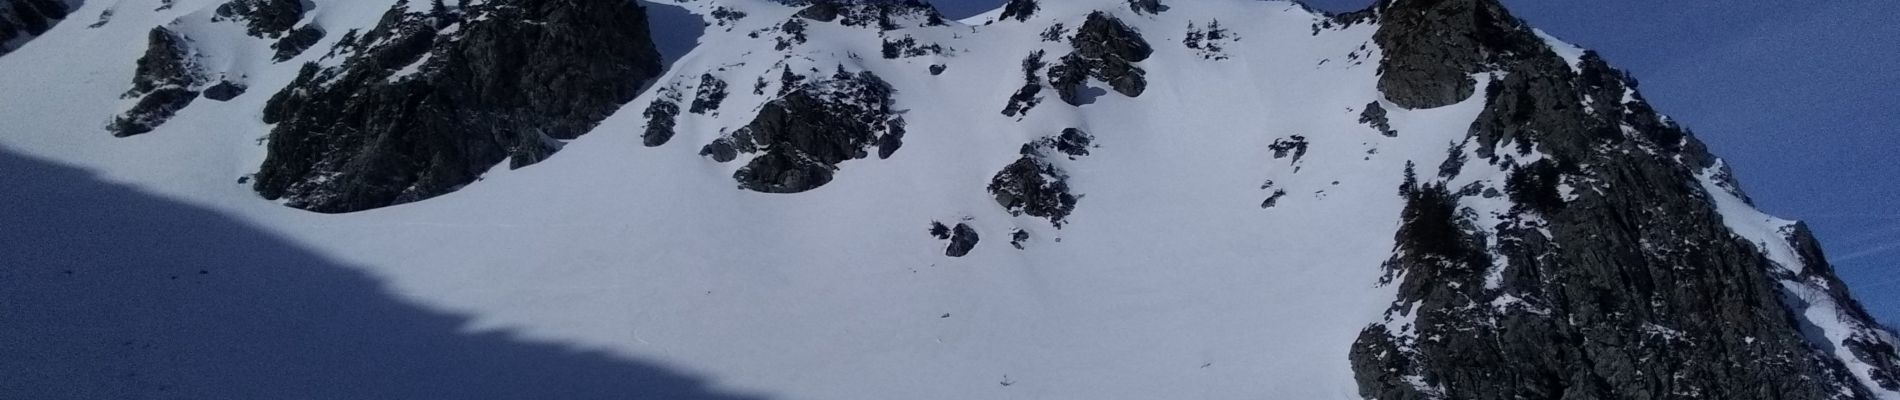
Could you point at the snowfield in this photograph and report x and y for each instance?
(1169, 280)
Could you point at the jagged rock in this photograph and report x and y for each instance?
(24, 19)
(1072, 142)
(884, 14)
(1028, 97)
(265, 18)
(296, 42)
(1017, 238)
(712, 91)
(164, 83)
(151, 110)
(1375, 116)
(1146, 6)
(908, 47)
(1294, 146)
(1034, 187)
(937, 69)
(1629, 286)
(804, 135)
(167, 63)
(1105, 49)
(661, 115)
(513, 78)
(1432, 48)
(1019, 10)
(963, 238)
(224, 91)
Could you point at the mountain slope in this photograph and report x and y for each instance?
(1207, 199)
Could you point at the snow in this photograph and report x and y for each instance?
(1169, 280)
(1825, 323)
(1570, 52)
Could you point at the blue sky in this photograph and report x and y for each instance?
(1800, 97)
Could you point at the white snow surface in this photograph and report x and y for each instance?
(1169, 281)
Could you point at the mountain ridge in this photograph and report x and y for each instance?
(1535, 196)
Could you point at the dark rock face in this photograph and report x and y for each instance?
(296, 42)
(1034, 185)
(266, 18)
(1292, 146)
(883, 14)
(1146, 6)
(1433, 46)
(1105, 49)
(224, 91)
(164, 82)
(802, 136)
(963, 238)
(23, 19)
(1375, 116)
(516, 77)
(661, 117)
(1628, 286)
(1029, 96)
(712, 92)
(1019, 10)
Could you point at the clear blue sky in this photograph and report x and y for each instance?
(1800, 97)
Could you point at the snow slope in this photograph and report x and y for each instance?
(1169, 281)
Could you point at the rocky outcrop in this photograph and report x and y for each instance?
(264, 18)
(1034, 185)
(21, 20)
(165, 81)
(801, 137)
(1107, 50)
(885, 15)
(1433, 46)
(1375, 116)
(294, 44)
(1610, 276)
(429, 99)
(1019, 10)
(1029, 95)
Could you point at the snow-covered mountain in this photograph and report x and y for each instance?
(844, 199)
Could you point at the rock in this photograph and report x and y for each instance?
(1147, 6)
(1019, 10)
(22, 20)
(1028, 97)
(803, 135)
(151, 110)
(660, 116)
(1017, 238)
(264, 18)
(1375, 116)
(296, 42)
(499, 80)
(937, 69)
(1432, 47)
(712, 91)
(1105, 49)
(962, 240)
(1628, 286)
(1034, 187)
(164, 82)
(886, 15)
(224, 91)
(1294, 146)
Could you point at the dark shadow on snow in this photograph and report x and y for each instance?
(110, 293)
(675, 30)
